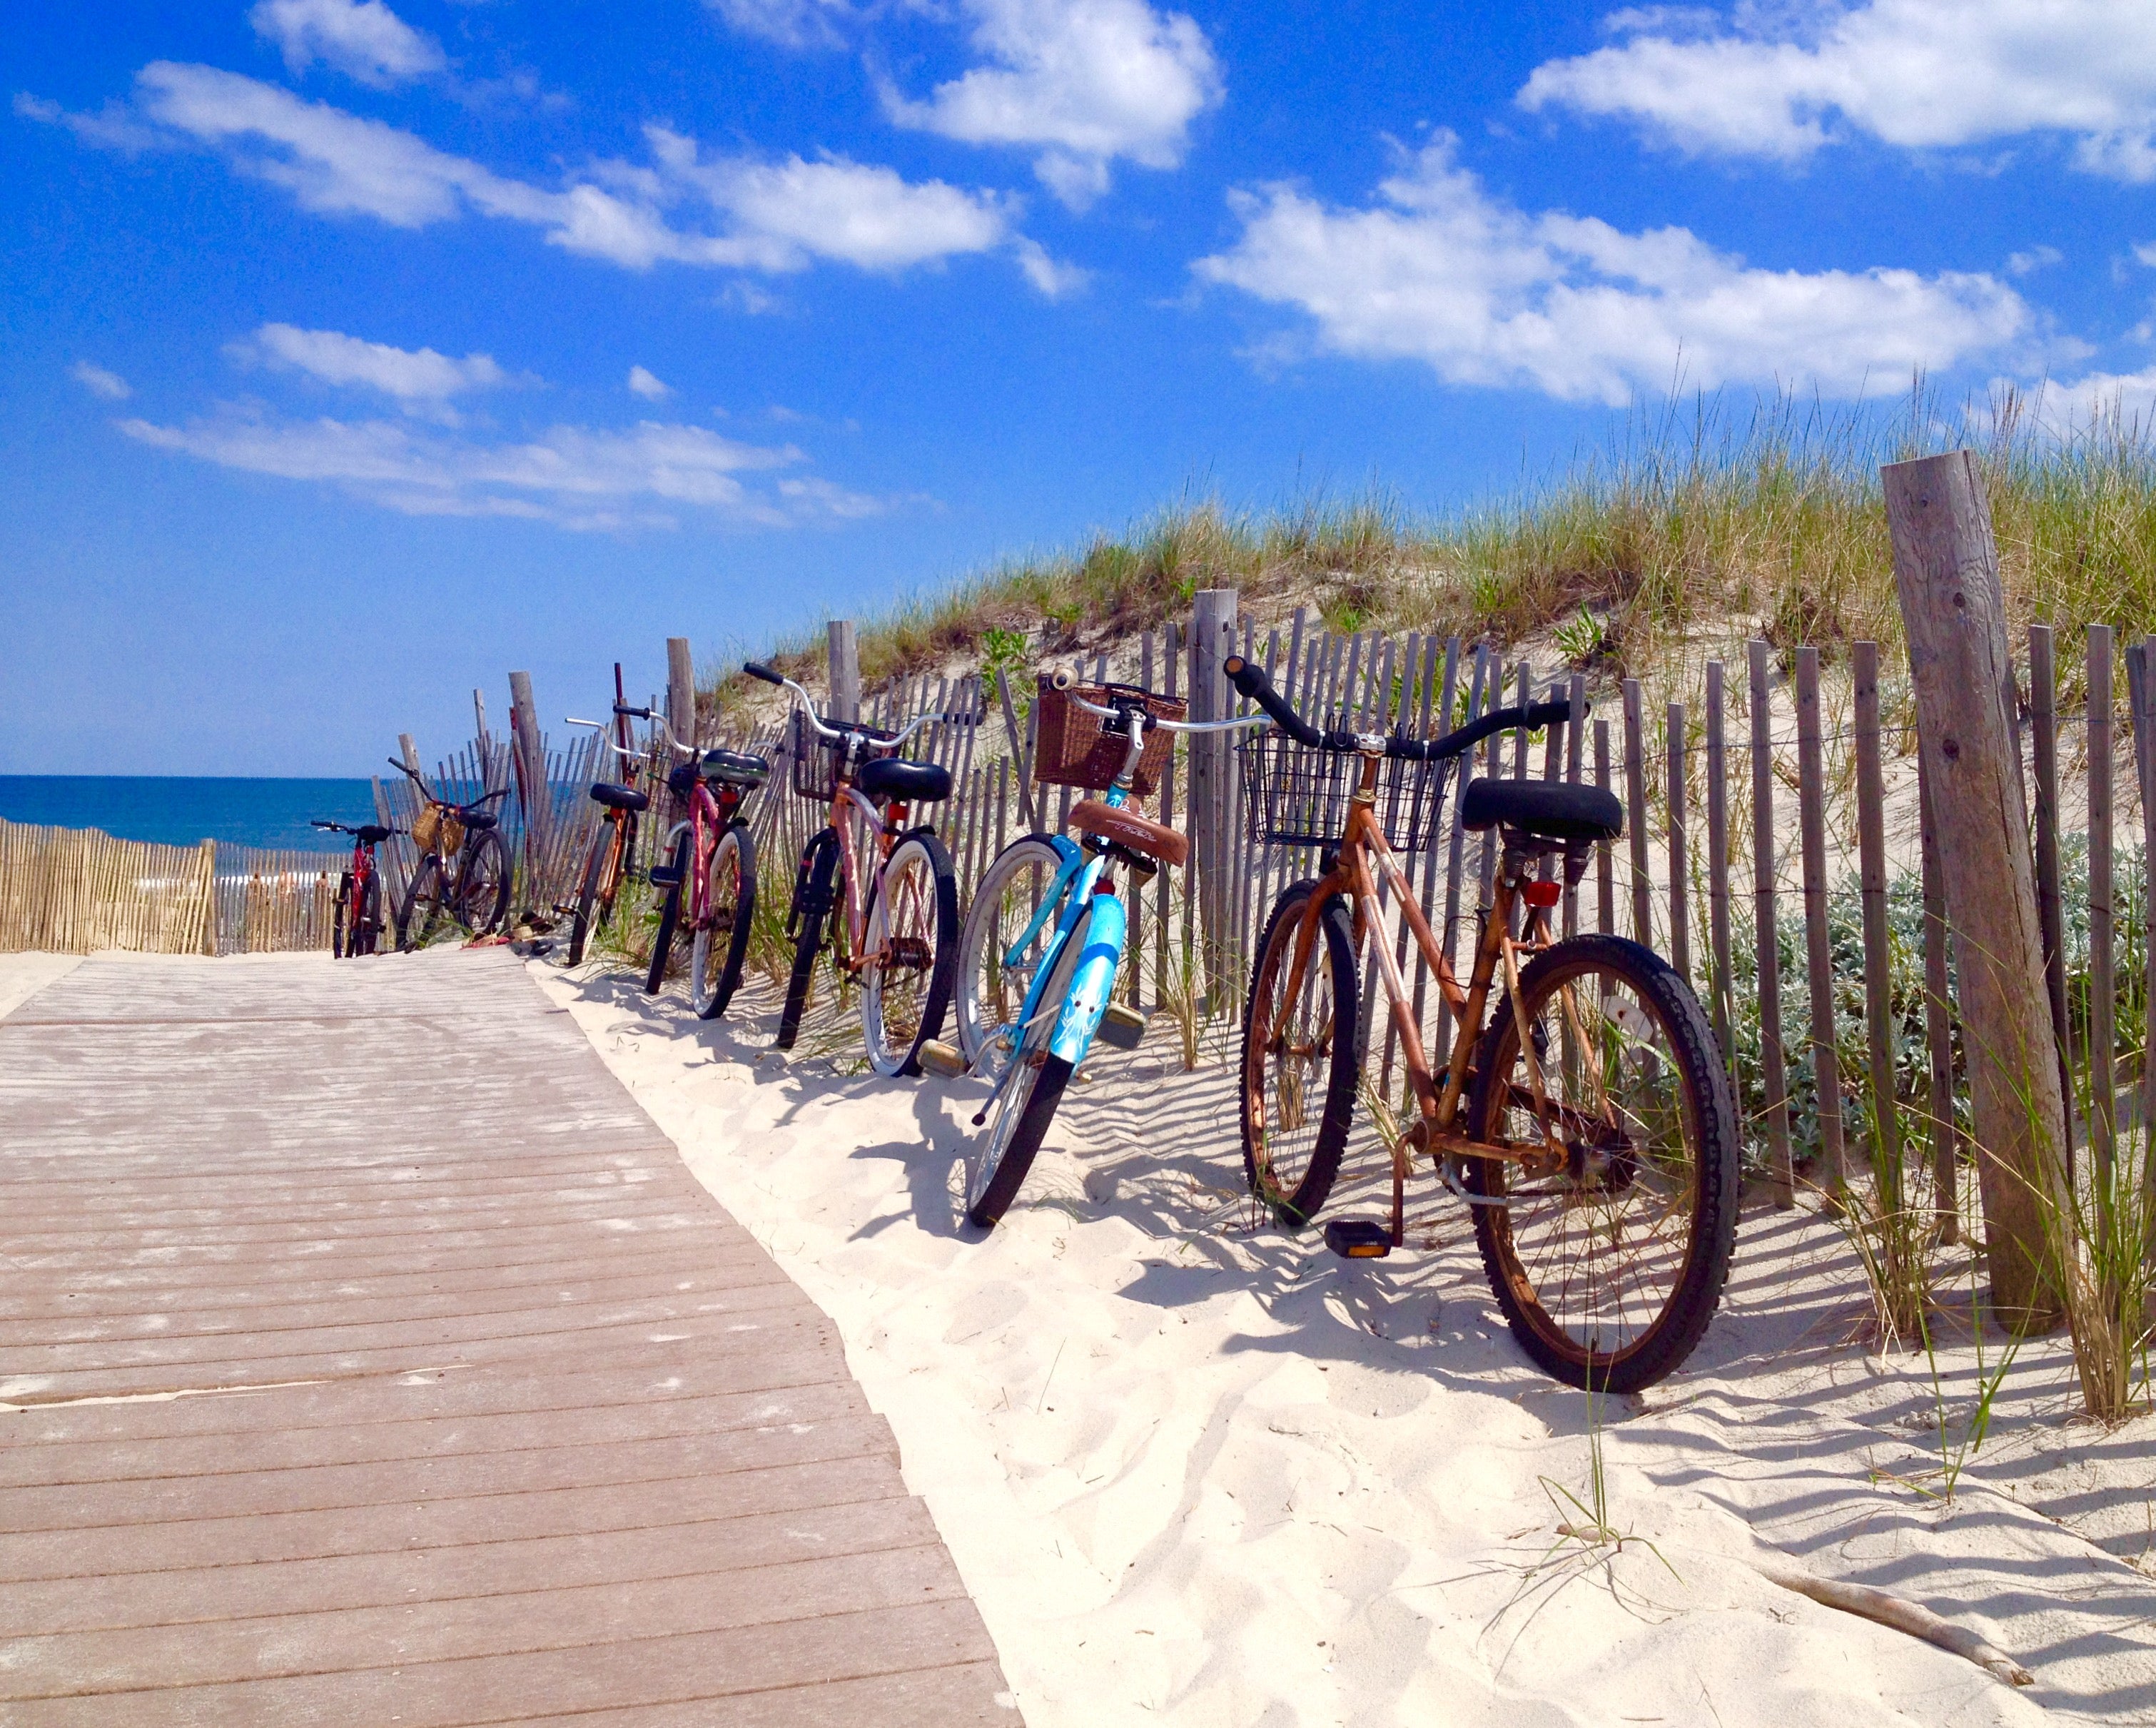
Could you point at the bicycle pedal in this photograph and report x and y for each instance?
(1355, 1239)
(664, 876)
(1122, 1026)
(945, 1061)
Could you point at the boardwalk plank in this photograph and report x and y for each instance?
(369, 1355)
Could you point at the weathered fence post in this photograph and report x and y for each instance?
(1946, 568)
(2043, 730)
(408, 750)
(531, 788)
(681, 691)
(1213, 616)
(1871, 878)
(2141, 701)
(1635, 817)
(1766, 933)
(1717, 863)
(1938, 1025)
(1819, 951)
(845, 663)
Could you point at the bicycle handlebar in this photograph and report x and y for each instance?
(848, 729)
(1063, 680)
(419, 780)
(1252, 681)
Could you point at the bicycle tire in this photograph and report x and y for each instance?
(1030, 1100)
(708, 993)
(482, 901)
(590, 888)
(817, 890)
(669, 917)
(1294, 1196)
(987, 994)
(341, 919)
(366, 932)
(424, 889)
(1631, 1068)
(913, 1014)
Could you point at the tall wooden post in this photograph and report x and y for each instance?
(681, 691)
(531, 788)
(1819, 952)
(846, 662)
(1871, 876)
(1946, 568)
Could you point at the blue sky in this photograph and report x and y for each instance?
(353, 354)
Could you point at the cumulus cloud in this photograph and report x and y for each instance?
(418, 380)
(362, 38)
(646, 385)
(95, 379)
(573, 476)
(791, 24)
(1090, 81)
(746, 212)
(1438, 270)
(1783, 83)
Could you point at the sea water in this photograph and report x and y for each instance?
(177, 811)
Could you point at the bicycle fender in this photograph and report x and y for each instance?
(813, 884)
(1092, 981)
(1070, 862)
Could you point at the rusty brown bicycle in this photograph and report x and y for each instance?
(1584, 1114)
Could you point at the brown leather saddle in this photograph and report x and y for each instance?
(1125, 826)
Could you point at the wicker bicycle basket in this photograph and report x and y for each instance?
(1297, 796)
(435, 830)
(816, 761)
(1073, 748)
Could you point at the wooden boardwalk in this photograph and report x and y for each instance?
(367, 1356)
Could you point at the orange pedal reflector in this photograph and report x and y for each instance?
(1359, 1241)
(1544, 894)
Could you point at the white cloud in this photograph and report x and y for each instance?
(98, 382)
(2036, 258)
(1091, 81)
(419, 380)
(1912, 73)
(1438, 270)
(755, 214)
(574, 476)
(1051, 278)
(791, 24)
(363, 39)
(644, 384)
(2064, 409)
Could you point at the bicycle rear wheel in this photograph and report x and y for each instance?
(1608, 1269)
(819, 893)
(421, 910)
(364, 934)
(341, 920)
(670, 919)
(991, 985)
(593, 891)
(715, 959)
(913, 935)
(1302, 1056)
(1027, 1100)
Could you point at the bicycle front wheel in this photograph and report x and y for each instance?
(1609, 1267)
(1302, 1056)
(341, 920)
(819, 892)
(1026, 1100)
(482, 904)
(421, 909)
(913, 954)
(714, 959)
(992, 982)
(364, 932)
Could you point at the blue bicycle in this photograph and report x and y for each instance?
(1041, 944)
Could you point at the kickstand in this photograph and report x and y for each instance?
(1400, 1194)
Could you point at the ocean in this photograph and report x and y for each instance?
(174, 810)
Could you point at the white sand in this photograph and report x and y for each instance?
(1195, 1474)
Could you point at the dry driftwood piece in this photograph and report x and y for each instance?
(1900, 1613)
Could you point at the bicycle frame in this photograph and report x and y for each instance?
(1352, 876)
(851, 808)
(1075, 889)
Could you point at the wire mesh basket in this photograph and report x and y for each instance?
(1074, 748)
(816, 759)
(1297, 796)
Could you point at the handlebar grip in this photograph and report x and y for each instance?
(1061, 678)
(627, 712)
(758, 669)
(1252, 681)
(1549, 713)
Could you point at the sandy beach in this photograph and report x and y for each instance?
(1197, 1473)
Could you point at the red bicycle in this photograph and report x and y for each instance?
(710, 853)
(356, 928)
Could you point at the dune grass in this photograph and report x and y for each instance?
(1694, 515)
